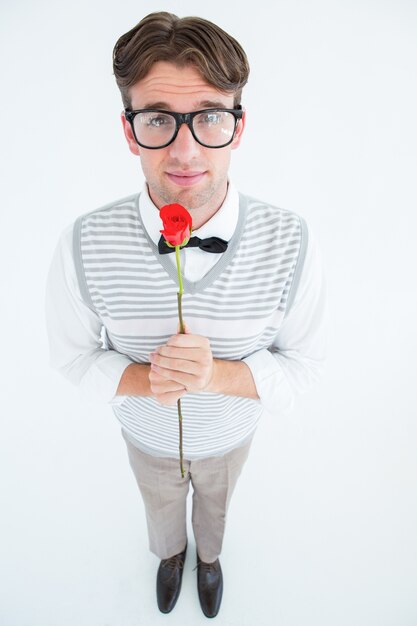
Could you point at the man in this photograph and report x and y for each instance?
(254, 308)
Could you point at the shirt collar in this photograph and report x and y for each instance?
(222, 224)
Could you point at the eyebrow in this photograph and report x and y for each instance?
(205, 104)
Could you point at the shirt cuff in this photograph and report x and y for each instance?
(271, 384)
(102, 379)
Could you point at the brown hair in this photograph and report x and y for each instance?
(162, 36)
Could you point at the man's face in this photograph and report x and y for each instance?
(183, 172)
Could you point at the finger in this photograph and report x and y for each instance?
(186, 329)
(169, 399)
(165, 386)
(189, 341)
(184, 379)
(198, 355)
(174, 365)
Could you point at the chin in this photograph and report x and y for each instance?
(190, 198)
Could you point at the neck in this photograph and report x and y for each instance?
(202, 216)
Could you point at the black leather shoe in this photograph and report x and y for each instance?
(168, 581)
(210, 586)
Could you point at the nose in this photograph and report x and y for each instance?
(184, 147)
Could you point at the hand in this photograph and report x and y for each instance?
(186, 361)
(166, 392)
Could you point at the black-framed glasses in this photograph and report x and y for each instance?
(156, 128)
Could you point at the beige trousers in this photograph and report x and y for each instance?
(164, 494)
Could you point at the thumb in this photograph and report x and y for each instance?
(186, 329)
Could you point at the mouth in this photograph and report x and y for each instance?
(185, 179)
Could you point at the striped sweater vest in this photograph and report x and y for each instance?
(239, 305)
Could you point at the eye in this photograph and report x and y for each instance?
(159, 120)
(210, 118)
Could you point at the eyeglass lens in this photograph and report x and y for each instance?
(212, 128)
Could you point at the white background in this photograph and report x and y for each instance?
(322, 527)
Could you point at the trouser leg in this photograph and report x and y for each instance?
(214, 480)
(164, 495)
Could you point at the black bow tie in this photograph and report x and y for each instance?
(210, 244)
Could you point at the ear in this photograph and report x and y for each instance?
(239, 132)
(131, 141)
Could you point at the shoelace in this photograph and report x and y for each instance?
(172, 563)
(208, 567)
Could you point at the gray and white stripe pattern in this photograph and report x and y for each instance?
(239, 305)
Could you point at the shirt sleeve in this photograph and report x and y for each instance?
(295, 360)
(74, 331)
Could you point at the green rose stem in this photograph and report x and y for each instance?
(181, 291)
(182, 331)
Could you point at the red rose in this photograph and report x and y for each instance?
(177, 224)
